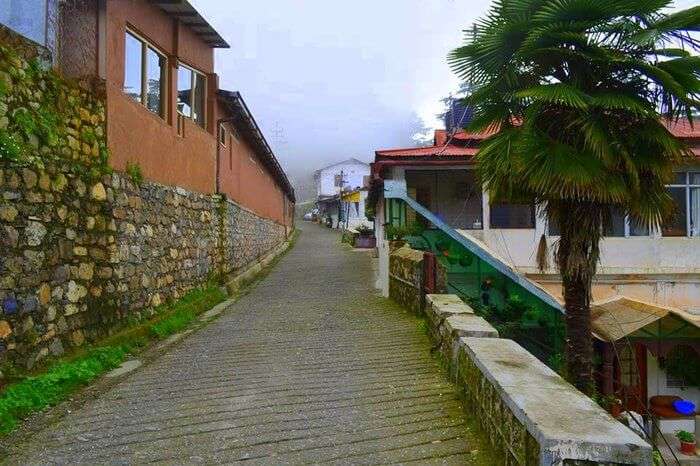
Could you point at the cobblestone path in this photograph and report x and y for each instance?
(310, 367)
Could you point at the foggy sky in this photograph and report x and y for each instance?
(329, 79)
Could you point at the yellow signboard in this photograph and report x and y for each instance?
(352, 197)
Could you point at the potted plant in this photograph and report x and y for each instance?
(687, 442)
(395, 235)
(365, 238)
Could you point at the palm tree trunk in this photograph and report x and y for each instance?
(579, 347)
(577, 254)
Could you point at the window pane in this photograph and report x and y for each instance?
(676, 225)
(695, 178)
(679, 178)
(638, 229)
(615, 224)
(155, 80)
(132, 67)
(198, 103)
(695, 211)
(512, 216)
(184, 90)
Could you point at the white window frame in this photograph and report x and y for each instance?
(687, 186)
(145, 45)
(193, 93)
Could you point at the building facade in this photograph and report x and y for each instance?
(341, 193)
(154, 62)
(648, 279)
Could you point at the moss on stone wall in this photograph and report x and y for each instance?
(45, 119)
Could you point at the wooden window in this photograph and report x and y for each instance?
(191, 94)
(145, 73)
(223, 135)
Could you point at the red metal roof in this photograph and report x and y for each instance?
(683, 129)
(432, 151)
(441, 148)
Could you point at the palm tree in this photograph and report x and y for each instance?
(580, 90)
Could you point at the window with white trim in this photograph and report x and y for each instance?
(144, 73)
(685, 191)
(191, 92)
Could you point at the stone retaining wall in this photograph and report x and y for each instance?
(406, 277)
(530, 414)
(79, 257)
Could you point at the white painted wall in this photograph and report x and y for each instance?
(656, 385)
(666, 270)
(353, 175)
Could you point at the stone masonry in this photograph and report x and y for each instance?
(79, 258)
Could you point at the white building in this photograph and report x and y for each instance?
(648, 281)
(341, 193)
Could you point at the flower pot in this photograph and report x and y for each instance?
(365, 242)
(688, 448)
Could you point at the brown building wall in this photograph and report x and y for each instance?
(136, 135)
(246, 181)
(77, 38)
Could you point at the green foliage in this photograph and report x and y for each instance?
(49, 118)
(683, 363)
(685, 436)
(10, 147)
(134, 172)
(579, 91)
(37, 393)
(395, 233)
(365, 230)
(183, 312)
(423, 326)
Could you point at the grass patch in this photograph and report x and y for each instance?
(34, 393)
(186, 310)
(37, 393)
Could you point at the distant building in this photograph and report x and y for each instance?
(341, 193)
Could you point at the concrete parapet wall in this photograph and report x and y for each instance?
(531, 415)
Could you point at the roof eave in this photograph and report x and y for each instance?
(243, 120)
(183, 11)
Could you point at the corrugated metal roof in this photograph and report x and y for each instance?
(190, 17)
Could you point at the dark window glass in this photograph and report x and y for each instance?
(512, 216)
(200, 88)
(155, 81)
(132, 68)
(676, 225)
(184, 91)
(679, 178)
(222, 135)
(614, 224)
(638, 228)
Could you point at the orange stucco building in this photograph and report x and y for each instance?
(165, 111)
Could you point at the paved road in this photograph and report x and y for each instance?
(310, 367)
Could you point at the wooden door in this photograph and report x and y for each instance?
(631, 377)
